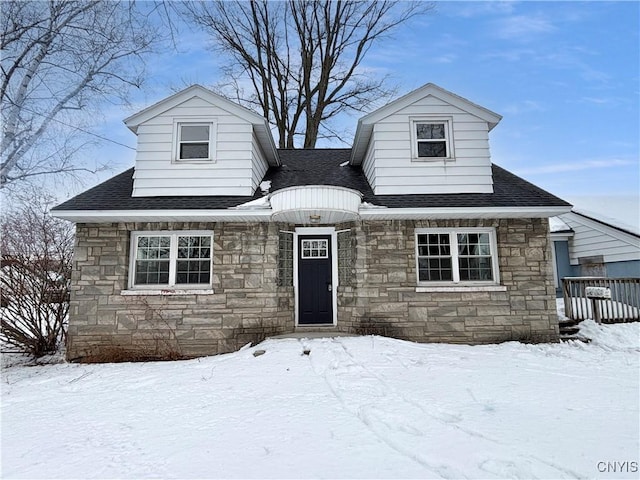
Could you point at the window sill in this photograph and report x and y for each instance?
(457, 288)
(182, 161)
(433, 159)
(167, 292)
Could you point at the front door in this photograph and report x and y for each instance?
(315, 285)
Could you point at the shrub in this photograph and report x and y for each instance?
(34, 276)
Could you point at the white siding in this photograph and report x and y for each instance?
(231, 172)
(259, 163)
(369, 165)
(592, 238)
(395, 171)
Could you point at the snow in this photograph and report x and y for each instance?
(262, 202)
(609, 309)
(367, 205)
(353, 407)
(557, 225)
(265, 186)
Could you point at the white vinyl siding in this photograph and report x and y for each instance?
(369, 165)
(232, 173)
(468, 170)
(259, 163)
(591, 239)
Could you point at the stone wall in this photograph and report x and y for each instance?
(246, 305)
(383, 298)
(252, 297)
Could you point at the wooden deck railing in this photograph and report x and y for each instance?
(624, 305)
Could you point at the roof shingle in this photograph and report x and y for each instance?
(316, 167)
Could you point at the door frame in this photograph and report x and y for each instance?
(331, 231)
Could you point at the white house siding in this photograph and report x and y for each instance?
(230, 173)
(395, 171)
(593, 239)
(369, 166)
(259, 163)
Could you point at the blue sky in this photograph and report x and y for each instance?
(564, 75)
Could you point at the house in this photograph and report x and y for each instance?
(216, 238)
(586, 243)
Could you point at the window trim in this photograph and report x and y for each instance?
(455, 269)
(448, 129)
(199, 122)
(173, 257)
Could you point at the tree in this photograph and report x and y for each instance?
(302, 59)
(59, 58)
(34, 276)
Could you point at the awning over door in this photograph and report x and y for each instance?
(315, 204)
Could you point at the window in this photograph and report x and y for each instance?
(315, 248)
(168, 259)
(456, 256)
(432, 139)
(194, 141)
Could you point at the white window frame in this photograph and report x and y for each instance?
(173, 258)
(196, 122)
(448, 133)
(455, 270)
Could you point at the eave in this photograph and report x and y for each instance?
(115, 216)
(266, 214)
(459, 213)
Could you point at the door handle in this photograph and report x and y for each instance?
(329, 287)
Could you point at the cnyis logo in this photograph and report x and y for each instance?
(617, 467)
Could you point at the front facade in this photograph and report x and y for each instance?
(216, 239)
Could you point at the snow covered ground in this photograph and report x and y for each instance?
(352, 407)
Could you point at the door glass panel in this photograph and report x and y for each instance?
(315, 249)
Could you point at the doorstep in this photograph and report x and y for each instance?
(314, 332)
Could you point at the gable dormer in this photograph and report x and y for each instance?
(429, 141)
(199, 143)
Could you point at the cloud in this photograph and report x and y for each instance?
(576, 166)
(474, 9)
(522, 27)
(523, 107)
(446, 58)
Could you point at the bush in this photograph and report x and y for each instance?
(35, 276)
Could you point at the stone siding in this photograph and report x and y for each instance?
(252, 297)
(246, 305)
(383, 298)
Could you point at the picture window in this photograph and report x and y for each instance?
(456, 256)
(168, 259)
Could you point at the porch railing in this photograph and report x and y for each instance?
(623, 306)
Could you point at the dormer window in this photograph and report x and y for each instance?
(432, 139)
(194, 140)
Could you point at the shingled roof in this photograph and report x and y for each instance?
(315, 167)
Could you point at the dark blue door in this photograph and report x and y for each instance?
(315, 285)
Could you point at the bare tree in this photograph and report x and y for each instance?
(59, 58)
(302, 60)
(34, 276)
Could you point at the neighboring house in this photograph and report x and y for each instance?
(587, 244)
(216, 238)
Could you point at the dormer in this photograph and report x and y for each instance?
(429, 141)
(199, 143)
